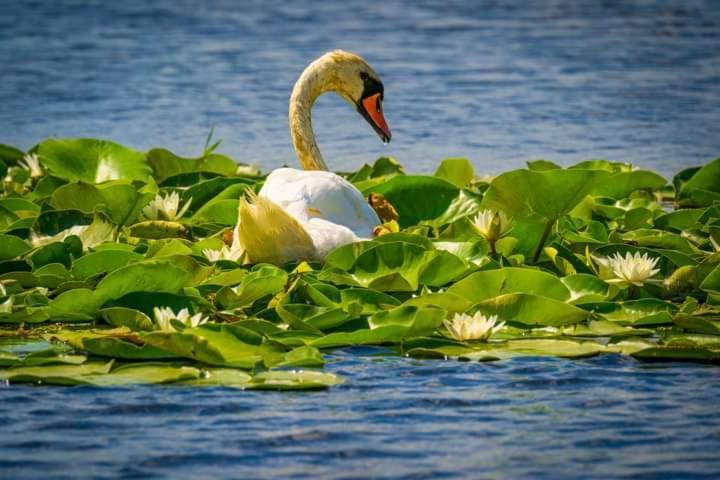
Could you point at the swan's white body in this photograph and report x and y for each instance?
(330, 209)
(304, 214)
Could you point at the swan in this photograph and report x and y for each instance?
(304, 214)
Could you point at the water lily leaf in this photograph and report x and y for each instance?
(644, 312)
(628, 346)
(221, 212)
(56, 374)
(683, 219)
(92, 161)
(711, 342)
(294, 380)
(78, 305)
(621, 184)
(418, 321)
(166, 164)
(604, 165)
(20, 206)
(144, 373)
(320, 318)
(147, 276)
(553, 347)
(659, 239)
(202, 192)
(225, 377)
(47, 356)
(529, 309)
(586, 288)
(388, 267)
(465, 205)
(711, 283)
(158, 229)
(12, 247)
(484, 352)
(10, 155)
(605, 328)
(114, 347)
(705, 324)
(689, 354)
(302, 357)
(703, 188)
(542, 165)
(102, 262)
(458, 171)
(370, 301)
(145, 302)
(487, 284)
(442, 267)
(263, 281)
(539, 196)
(132, 319)
(377, 336)
(382, 170)
(416, 198)
(118, 198)
(449, 301)
(218, 345)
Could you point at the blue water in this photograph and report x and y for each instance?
(607, 417)
(498, 82)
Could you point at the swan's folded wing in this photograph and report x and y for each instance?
(308, 195)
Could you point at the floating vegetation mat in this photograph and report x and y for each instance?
(116, 268)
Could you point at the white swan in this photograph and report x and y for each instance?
(303, 214)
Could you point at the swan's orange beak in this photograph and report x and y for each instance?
(371, 108)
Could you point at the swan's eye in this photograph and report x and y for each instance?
(363, 76)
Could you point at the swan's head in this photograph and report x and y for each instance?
(356, 81)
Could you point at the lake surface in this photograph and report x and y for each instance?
(607, 417)
(498, 82)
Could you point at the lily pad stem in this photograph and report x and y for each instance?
(543, 239)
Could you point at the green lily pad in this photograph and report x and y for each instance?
(92, 161)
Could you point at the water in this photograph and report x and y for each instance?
(498, 82)
(394, 418)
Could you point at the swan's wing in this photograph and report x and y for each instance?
(268, 234)
(308, 195)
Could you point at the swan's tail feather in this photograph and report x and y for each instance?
(269, 234)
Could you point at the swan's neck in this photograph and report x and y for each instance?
(317, 79)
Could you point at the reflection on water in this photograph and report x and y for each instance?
(501, 82)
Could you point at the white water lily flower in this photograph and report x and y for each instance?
(165, 208)
(164, 316)
(31, 162)
(632, 269)
(233, 253)
(492, 225)
(476, 327)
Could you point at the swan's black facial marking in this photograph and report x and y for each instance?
(371, 86)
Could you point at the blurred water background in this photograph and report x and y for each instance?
(499, 82)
